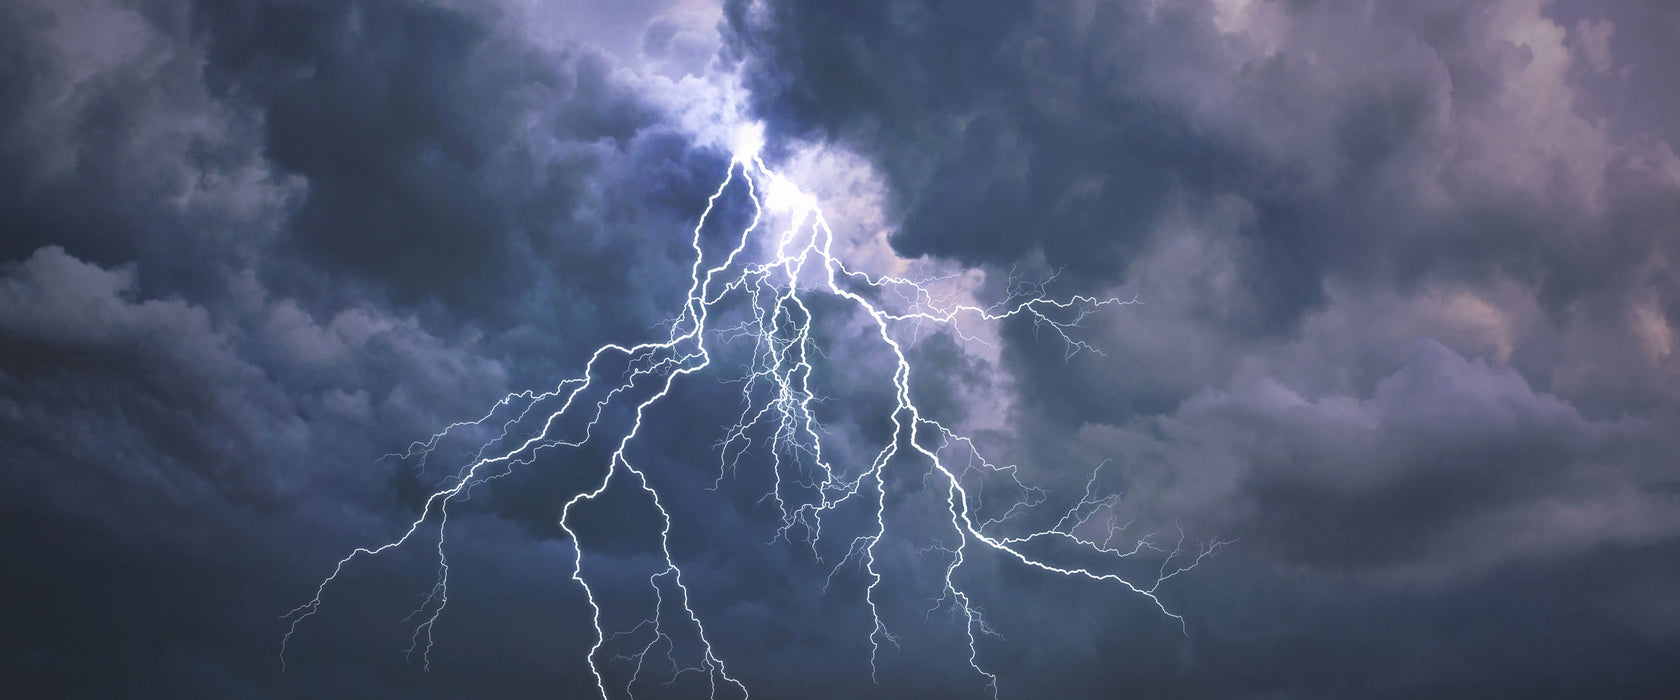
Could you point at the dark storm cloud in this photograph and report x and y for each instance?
(250, 248)
(420, 134)
(1378, 143)
(1015, 131)
(1407, 272)
(1448, 468)
(1408, 336)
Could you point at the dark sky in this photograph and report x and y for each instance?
(1407, 337)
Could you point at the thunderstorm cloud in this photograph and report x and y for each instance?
(1406, 339)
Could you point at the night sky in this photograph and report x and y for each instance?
(1408, 278)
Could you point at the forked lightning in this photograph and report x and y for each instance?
(773, 291)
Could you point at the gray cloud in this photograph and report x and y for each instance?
(1407, 334)
(1406, 272)
(1448, 469)
(257, 246)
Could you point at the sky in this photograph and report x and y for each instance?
(1404, 341)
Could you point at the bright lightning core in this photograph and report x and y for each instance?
(776, 280)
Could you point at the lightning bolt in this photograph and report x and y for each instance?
(793, 266)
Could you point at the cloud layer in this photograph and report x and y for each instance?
(1407, 331)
